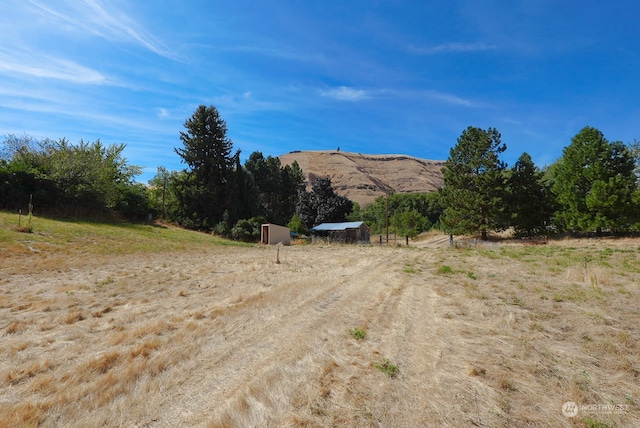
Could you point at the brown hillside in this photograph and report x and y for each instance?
(362, 178)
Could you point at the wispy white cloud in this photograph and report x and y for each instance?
(453, 47)
(163, 113)
(345, 93)
(67, 118)
(450, 99)
(35, 64)
(234, 104)
(432, 94)
(93, 17)
(279, 52)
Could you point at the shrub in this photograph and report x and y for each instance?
(247, 230)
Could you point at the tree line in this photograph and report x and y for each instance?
(404, 214)
(593, 187)
(214, 192)
(73, 180)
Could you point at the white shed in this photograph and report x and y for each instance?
(271, 234)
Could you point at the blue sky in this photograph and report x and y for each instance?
(366, 76)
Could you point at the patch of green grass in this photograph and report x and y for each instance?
(108, 280)
(471, 275)
(511, 252)
(607, 252)
(490, 254)
(630, 265)
(358, 333)
(100, 237)
(445, 270)
(387, 367)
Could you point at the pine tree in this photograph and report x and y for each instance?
(278, 186)
(595, 184)
(207, 153)
(473, 191)
(529, 199)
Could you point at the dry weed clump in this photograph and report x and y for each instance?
(103, 363)
(28, 371)
(73, 317)
(14, 327)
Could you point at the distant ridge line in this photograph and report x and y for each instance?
(364, 177)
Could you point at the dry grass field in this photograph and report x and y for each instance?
(153, 327)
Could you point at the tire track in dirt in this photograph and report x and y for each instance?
(416, 343)
(276, 341)
(338, 390)
(435, 387)
(404, 328)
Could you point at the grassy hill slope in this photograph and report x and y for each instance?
(58, 240)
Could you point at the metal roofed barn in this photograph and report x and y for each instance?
(352, 232)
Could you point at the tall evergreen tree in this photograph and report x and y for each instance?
(243, 194)
(266, 175)
(595, 184)
(473, 191)
(278, 186)
(208, 154)
(292, 182)
(529, 199)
